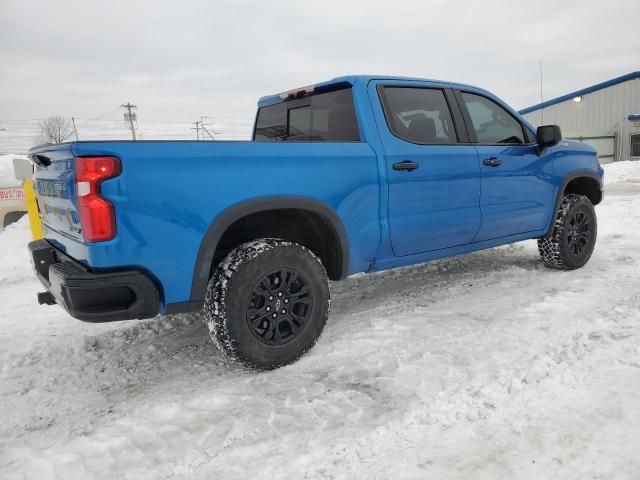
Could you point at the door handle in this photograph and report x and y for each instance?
(492, 162)
(406, 165)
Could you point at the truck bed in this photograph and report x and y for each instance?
(169, 192)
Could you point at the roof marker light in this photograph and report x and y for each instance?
(298, 92)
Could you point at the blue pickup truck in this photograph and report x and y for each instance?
(357, 174)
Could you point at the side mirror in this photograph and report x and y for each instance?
(548, 135)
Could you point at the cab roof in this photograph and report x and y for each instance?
(348, 80)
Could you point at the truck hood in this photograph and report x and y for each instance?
(578, 146)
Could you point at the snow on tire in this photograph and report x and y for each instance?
(267, 303)
(573, 237)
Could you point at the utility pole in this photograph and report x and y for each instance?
(130, 117)
(197, 129)
(541, 97)
(75, 130)
(205, 128)
(210, 133)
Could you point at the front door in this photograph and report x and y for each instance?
(433, 178)
(515, 179)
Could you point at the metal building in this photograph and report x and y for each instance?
(605, 115)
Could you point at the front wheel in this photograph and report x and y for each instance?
(573, 237)
(267, 303)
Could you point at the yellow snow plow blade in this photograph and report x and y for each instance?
(32, 210)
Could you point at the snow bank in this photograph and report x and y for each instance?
(14, 257)
(620, 171)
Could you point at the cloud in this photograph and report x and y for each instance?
(180, 60)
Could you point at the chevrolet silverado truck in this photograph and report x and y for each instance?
(357, 174)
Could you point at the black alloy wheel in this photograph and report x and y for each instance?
(267, 302)
(578, 233)
(573, 235)
(279, 307)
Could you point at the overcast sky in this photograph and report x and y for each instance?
(178, 60)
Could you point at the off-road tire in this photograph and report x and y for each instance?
(238, 285)
(559, 250)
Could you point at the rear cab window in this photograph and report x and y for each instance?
(321, 117)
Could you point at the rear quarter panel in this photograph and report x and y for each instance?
(170, 192)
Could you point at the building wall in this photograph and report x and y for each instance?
(600, 113)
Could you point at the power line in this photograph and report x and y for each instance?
(230, 121)
(101, 117)
(205, 128)
(18, 133)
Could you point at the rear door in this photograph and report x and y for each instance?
(433, 172)
(516, 180)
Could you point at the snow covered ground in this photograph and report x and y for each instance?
(484, 366)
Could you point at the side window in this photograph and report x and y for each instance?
(300, 122)
(272, 123)
(635, 145)
(419, 115)
(491, 122)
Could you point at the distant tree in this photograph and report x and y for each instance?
(54, 130)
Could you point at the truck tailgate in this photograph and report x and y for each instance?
(55, 190)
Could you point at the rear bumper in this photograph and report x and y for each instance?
(94, 296)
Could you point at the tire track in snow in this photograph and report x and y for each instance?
(122, 362)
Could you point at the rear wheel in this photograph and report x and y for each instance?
(267, 303)
(573, 238)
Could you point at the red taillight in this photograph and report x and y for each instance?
(97, 216)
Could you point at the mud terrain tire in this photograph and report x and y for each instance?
(267, 303)
(573, 237)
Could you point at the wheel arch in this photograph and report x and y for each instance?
(583, 182)
(205, 261)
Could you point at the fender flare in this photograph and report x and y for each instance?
(235, 212)
(568, 178)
